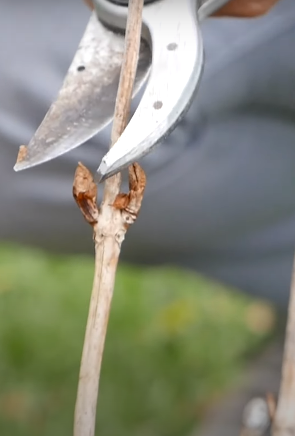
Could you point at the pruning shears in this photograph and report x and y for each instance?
(170, 64)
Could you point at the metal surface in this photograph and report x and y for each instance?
(85, 104)
(172, 28)
(177, 51)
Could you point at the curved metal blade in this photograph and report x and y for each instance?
(177, 52)
(86, 101)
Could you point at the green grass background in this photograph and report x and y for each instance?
(175, 342)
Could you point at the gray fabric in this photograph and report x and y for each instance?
(221, 189)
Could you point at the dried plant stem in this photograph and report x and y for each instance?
(126, 83)
(106, 259)
(284, 422)
(110, 224)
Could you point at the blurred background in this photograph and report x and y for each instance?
(176, 342)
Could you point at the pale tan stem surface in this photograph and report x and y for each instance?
(105, 270)
(124, 95)
(109, 232)
(284, 422)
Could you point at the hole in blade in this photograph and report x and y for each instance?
(172, 46)
(158, 104)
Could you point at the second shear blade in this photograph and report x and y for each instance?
(177, 61)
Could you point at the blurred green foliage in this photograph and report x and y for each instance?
(174, 342)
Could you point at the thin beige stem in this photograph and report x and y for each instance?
(284, 422)
(126, 83)
(109, 232)
(103, 284)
